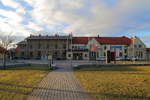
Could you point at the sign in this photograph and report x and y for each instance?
(119, 47)
(49, 57)
(94, 48)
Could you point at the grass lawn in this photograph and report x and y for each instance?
(116, 83)
(17, 83)
(130, 62)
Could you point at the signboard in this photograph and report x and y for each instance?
(119, 47)
(49, 57)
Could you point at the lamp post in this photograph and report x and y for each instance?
(133, 47)
(71, 49)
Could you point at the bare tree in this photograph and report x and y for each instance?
(6, 41)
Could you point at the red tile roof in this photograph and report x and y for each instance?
(103, 40)
(80, 40)
(114, 40)
(148, 49)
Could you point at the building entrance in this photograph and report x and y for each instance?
(77, 56)
(92, 55)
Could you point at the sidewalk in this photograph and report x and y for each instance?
(59, 85)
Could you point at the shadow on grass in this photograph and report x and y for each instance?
(48, 92)
(28, 68)
(108, 68)
(109, 96)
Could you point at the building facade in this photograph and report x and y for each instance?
(124, 48)
(40, 47)
(148, 53)
(79, 48)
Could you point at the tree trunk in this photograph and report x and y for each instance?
(4, 61)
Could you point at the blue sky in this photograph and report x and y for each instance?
(81, 17)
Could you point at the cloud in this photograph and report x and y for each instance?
(125, 16)
(81, 17)
(10, 3)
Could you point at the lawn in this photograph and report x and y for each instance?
(17, 83)
(130, 62)
(116, 83)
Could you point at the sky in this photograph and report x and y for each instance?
(79, 17)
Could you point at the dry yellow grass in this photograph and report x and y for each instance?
(130, 62)
(116, 83)
(17, 83)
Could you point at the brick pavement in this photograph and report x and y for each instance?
(59, 85)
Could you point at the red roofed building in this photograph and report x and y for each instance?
(103, 40)
(148, 53)
(114, 40)
(81, 40)
(122, 46)
(80, 48)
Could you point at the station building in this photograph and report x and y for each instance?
(80, 48)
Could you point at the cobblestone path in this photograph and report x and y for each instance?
(59, 85)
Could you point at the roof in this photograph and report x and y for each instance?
(40, 37)
(22, 42)
(148, 49)
(81, 40)
(114, 40)
(103, 40)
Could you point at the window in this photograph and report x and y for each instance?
(105, 47)
(64, 54)
(22, 54)
(120, 54)
(39, 46)
(47, 46)
(64, 46)
(22, 46)
(137, 54)
(56, 46)
(75, 47)
(72, 47)
(69, 55)
(30, 46)
(135, 46)
(140, 46)
(104, 54)
(31, 54)
(39, 53)
(55, 54)
(141, 54)
(125, 51)
(85, 55)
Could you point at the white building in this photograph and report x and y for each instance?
(123, 47)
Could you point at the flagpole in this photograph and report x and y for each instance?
(133, 47)
(106, 56)
(88, 52)
(96, 55)
(71, 50)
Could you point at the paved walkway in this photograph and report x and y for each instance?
(59, 85)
